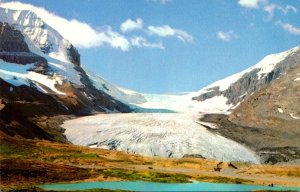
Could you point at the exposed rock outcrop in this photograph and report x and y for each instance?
(24, 107)
(11, 40)
(74, 55)
(13, 49)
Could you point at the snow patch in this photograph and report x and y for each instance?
(297, 79)
(293, 116)
(280, 110)
(18, 75)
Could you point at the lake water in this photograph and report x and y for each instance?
(152, 186)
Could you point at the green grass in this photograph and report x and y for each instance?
(219, 179)
(146, 176)
(15, 152)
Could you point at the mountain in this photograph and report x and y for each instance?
(274, 113)
(268, 119)
(240, 86)
(219, 97)
(43, 83)
(41, 77)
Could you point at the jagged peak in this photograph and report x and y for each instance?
(45, 39)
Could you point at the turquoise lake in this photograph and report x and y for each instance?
(152, 186)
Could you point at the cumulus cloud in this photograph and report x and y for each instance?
(167, 31)
(79, 33)
(226, 36)
(290, 28)
(130, 25)
(252, 4)
(142, 42)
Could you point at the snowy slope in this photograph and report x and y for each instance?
(264, 66)
(155, 134)
(44, 41)
(19, 75)
(121, 94)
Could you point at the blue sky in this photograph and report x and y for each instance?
(163, 46)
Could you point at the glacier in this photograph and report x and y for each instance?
(155, 134)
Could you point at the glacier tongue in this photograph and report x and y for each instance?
(155, 134)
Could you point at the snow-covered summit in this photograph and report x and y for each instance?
(44, 38)
(263, 67)
(45, 41)
(48, 63)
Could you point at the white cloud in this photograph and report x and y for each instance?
(226, 36)
(84, 35)
(167, 31)
(142, 42)
(162, 1)
(271, 8)
(130, 25)
(79, 33)
(287, 9)
(252, 4)
(290, 28)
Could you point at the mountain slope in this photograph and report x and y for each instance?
(240, 86)
(61, 74)
(39, 69)
(268, 121)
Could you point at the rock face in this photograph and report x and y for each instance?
(14, 49)
(74, 55)
(275, 106)
(11, 40)
(254, 78)
(27, 113)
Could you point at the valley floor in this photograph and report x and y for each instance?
(26, 163)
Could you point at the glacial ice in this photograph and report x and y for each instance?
(155, 134)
